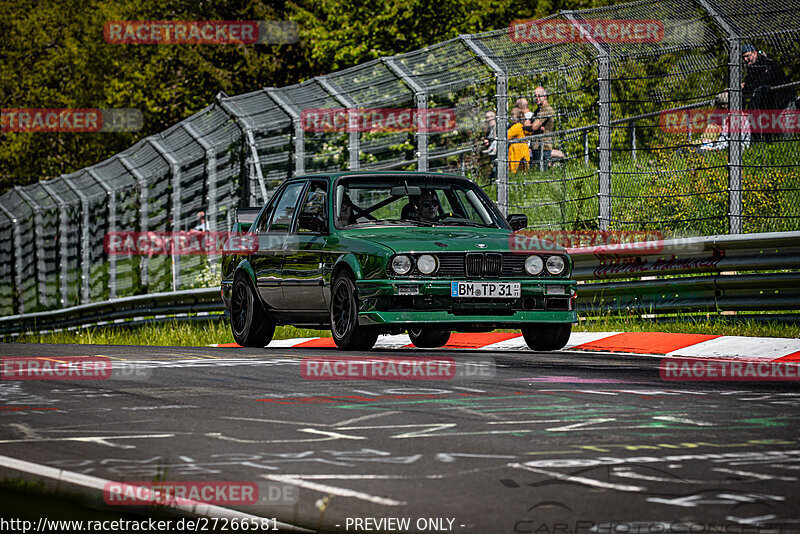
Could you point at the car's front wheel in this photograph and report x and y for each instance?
(428, 338)
(250, 324)
(347, 334)
(547, 337)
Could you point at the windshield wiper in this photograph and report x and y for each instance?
(460, 222)
(391, 221)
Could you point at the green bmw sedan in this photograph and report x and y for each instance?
(369, 253)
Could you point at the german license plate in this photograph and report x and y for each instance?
(490, 290)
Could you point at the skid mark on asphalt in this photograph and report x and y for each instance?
(300, 423)
(579, 480)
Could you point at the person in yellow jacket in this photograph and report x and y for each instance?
(519, 154)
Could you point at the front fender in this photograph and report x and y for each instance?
(349, 260)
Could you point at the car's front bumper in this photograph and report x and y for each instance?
(383, 304)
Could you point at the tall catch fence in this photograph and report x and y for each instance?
(615, 163)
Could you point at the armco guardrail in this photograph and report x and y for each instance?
(158, 306)
(717, 273)
(703, 274)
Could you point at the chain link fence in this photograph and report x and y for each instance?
(613, 163)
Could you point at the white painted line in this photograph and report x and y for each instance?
(741, 347)
(86, 481)
(341, 492)
(684, 420)
(759, 476)
(98, 440)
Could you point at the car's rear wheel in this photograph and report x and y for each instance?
(347, 334)
(428, 338)
(250, 324)
(547, 337)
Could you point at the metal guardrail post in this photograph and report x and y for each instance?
(604, 101)
(17, 240)
(38, 225)
(734, 104)
(63, 230)
(633, 140)
(350, 104)
(175, 168)
(421, 101)
(84, 238)
(112, 227)
(144, 199)
(299, 133)
(735, 153)
(244, 125)
(501, 94)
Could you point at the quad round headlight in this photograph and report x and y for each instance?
(556, 265)
(427, 264)
(402, 264)
(534, 265)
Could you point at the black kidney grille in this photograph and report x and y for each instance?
(473, 264)
(478, 264)
(492, 264)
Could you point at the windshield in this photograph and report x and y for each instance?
(413, 201)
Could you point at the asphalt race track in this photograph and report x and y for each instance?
(552, 443)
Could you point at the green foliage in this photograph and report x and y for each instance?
(54, 56)
(175, 333)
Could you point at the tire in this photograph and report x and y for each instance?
(347, 334)
(547, 337)
(428, 338)
(250, 324)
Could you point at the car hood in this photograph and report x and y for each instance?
(450, 239)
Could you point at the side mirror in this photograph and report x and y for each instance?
(517, 221)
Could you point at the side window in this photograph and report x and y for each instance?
(285, 207)
(313, 213)
(263, 222)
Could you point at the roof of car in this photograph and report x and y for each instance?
(339, 174)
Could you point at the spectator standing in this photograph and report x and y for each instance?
(201, 225)
(519, 155)
(763, 74)
(490, 134)
(543, 122)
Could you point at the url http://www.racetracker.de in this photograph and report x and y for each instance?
(201, 524)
